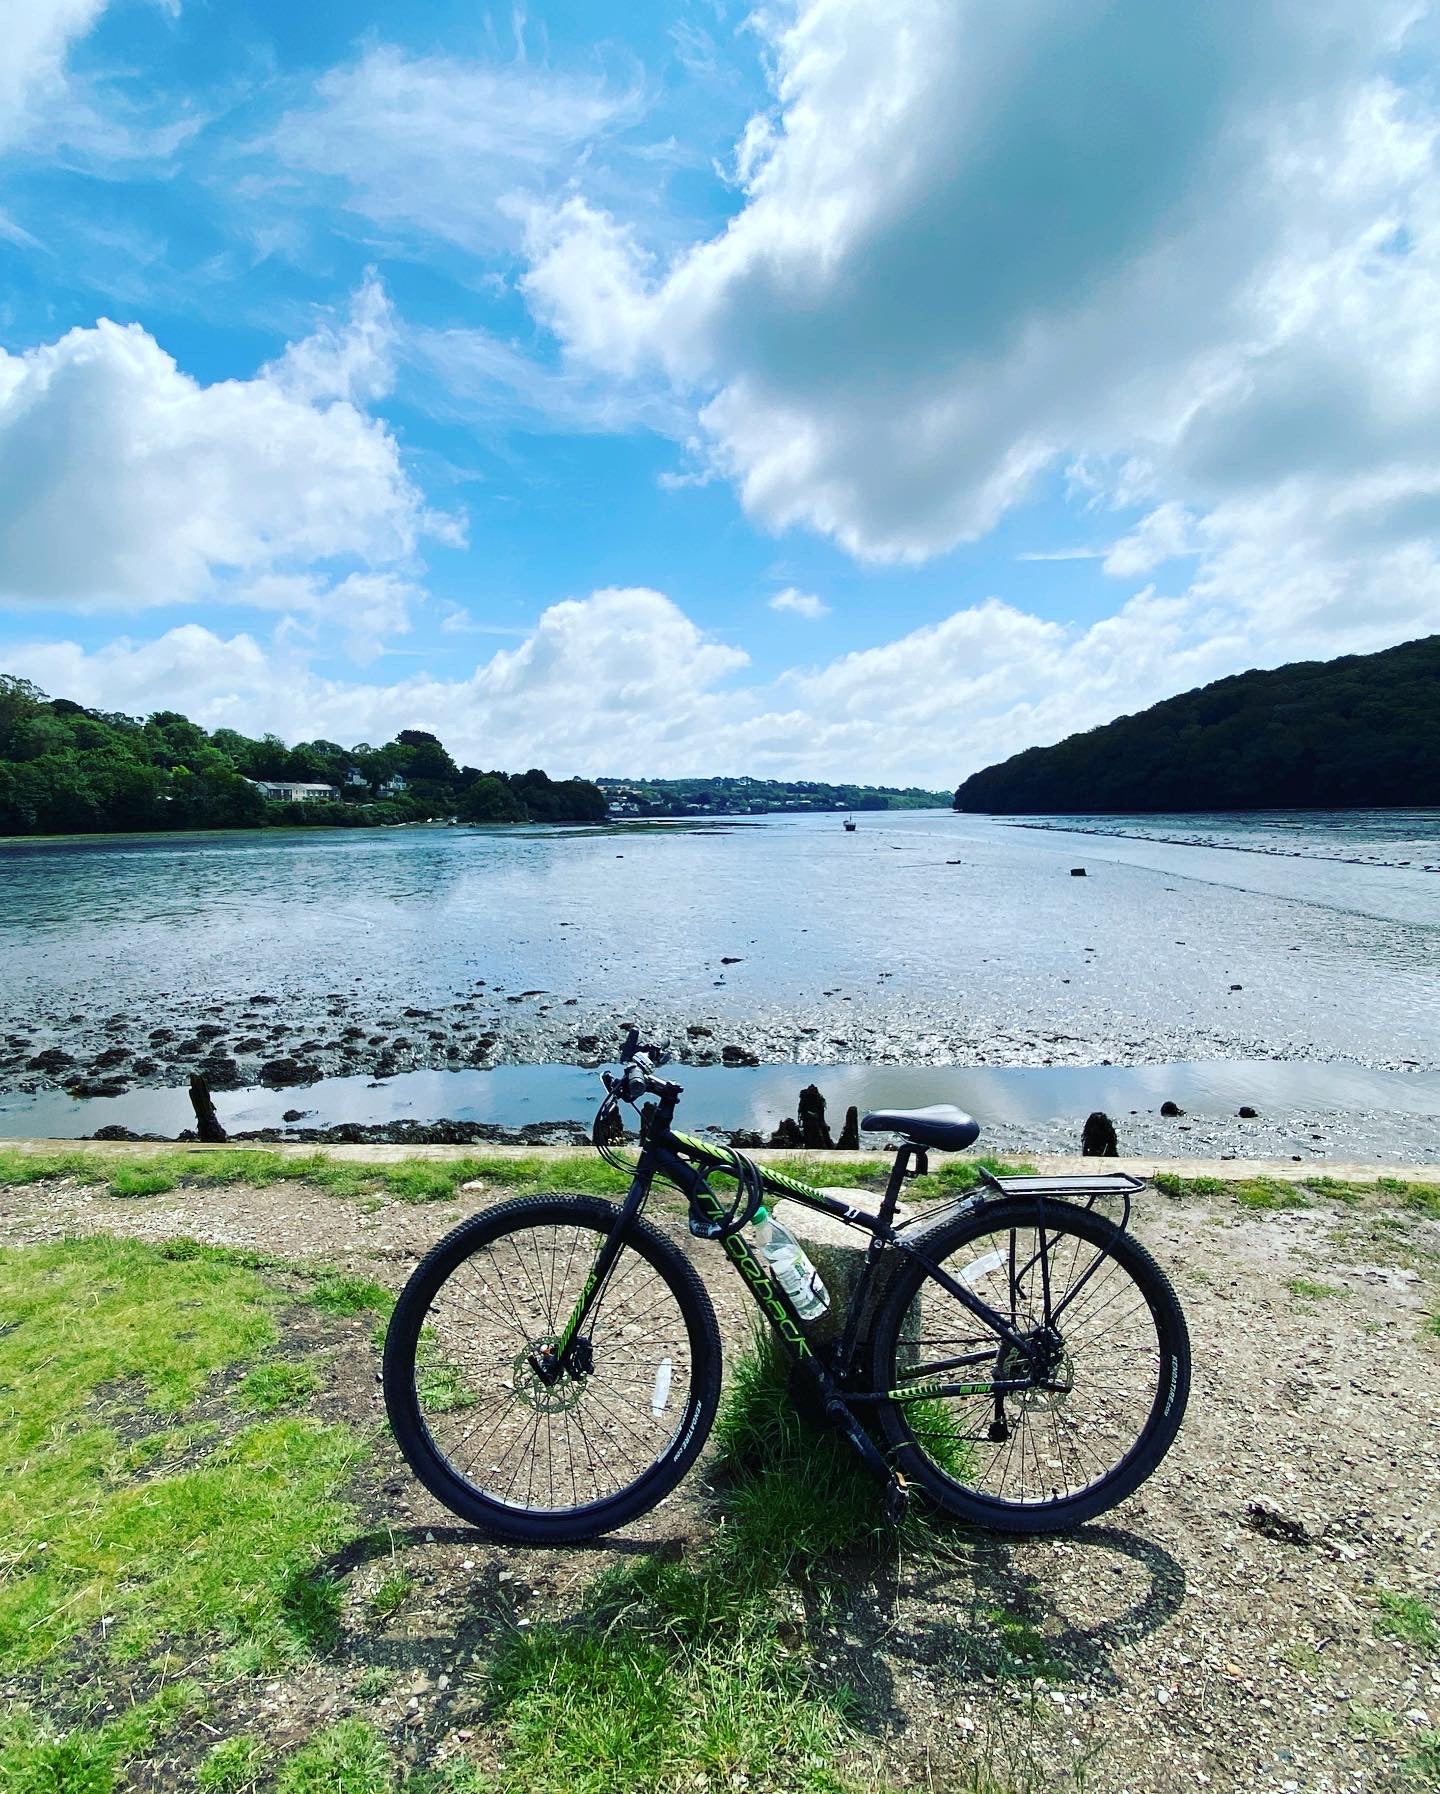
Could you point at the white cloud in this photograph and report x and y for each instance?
(1166, 532)
(479, 376)
(353, 361)
(1192, 253)
(436, 143)
(37, 35)
(802, 604)
(125, 483)
(610, 680)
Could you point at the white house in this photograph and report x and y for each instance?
(295, 791)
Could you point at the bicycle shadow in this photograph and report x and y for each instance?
(994, 1610)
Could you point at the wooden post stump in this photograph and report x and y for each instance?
(207, 1122)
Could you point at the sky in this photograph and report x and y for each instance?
(819, 390)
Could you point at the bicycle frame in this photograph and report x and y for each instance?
(683, 1161)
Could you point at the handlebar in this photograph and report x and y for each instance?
(637, 1079)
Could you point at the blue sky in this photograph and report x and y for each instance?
(820, 390)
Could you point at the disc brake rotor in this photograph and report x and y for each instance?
(534, 1391)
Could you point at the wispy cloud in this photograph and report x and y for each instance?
(1063, 554)
(442, 144)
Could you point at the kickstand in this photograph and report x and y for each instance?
(897, 1498)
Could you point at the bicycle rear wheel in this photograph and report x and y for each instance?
(1050, 1456)
(551, 1460)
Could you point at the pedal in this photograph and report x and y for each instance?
(897, 1499)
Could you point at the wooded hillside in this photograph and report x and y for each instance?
(1362, 730)
(68, 770)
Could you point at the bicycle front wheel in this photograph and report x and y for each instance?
(551, 1458)
(1081, 1437)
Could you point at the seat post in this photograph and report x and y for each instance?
(899, 1171)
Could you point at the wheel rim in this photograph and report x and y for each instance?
(1068, 1432)
(545, 1433)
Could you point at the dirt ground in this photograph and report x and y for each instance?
(1223, 1629)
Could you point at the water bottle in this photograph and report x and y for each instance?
(779, 1250)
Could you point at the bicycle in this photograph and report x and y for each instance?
(552, 1367)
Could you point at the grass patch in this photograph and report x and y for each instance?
(1170, 1183)
(1423, 1764)
(31, 1167)
(1306, 1289)
(1268, 1193)
(957, 1176)
(791, 1491)
(35, 1759)
(1407, 1618)
(140, 1180)
(643, 1690)
(348, 1758)
(1339, 1189)
(339, 1294)
(392, 1594)
(211, 1548)
(270, 1387)
(1370, 1722)
(234, 1766)
(699, 1671)
(1420, 1199)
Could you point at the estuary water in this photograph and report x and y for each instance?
(922, 938)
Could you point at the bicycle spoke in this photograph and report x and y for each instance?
(1088, 1327)
(563, 1439)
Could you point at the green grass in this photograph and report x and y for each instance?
(140, 1180)
(1420, 1199)
(348, 1758)
(698, 1671)
(1170, 1183)
(392, 1594)
(1268, 1193)
(790, 1492)
(276, 1385)
(408, 1180)
(234, 1766)
(1407, 1618)
(1423, 1764)
(339, 1294)
(1306, 1289)
(103, 1332)
(954, 1178)
(1370, 1722)
(1340, 1189)
(36, 1759)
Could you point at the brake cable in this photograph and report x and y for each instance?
(749, 1190)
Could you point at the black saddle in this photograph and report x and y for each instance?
(942, 1126)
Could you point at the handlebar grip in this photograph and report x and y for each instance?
(632, 1041)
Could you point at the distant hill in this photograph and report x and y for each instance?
(1362, 730)
(757, 797)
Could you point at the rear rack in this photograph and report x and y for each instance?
(1092, 1188)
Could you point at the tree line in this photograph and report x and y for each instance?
(65, 769)
(1360, 731)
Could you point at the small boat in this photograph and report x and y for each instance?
(849, 825)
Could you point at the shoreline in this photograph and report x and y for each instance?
(1147, 1166)
(1262, 1109)
(280, 1052)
